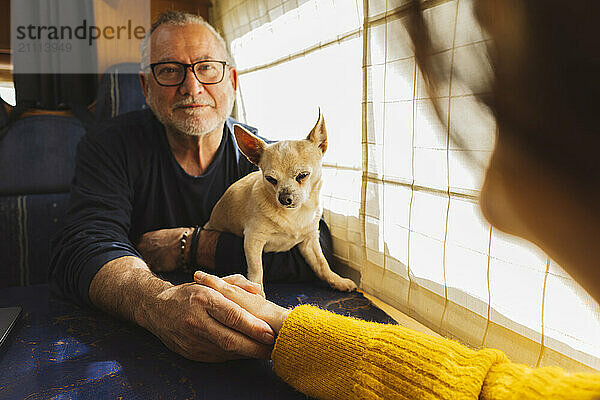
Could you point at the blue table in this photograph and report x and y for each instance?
(58, 349)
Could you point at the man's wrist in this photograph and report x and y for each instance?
(150, 303)
(125, 287)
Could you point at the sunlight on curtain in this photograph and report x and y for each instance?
(400, 195)
(284, 77)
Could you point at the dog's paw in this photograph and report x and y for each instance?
(343, 284)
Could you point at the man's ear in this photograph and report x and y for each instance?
(144, 84)
(233, 78)
(250, 145)
(318, 134)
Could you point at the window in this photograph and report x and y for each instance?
(399, 195)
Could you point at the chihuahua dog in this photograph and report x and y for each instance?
(278, 207)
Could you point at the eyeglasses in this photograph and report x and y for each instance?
(172, 73)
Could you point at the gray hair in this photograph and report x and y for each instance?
(180, 18)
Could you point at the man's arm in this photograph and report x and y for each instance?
(94, 263)
(161, 249)
(223, 254)
(194, 321)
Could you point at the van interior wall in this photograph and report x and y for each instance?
(104, 13)
(5, 64)
(108, 52)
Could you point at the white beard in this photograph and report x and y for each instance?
(198, 122)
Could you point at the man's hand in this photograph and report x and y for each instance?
(193, 320)
(201, 324)
(235, 288)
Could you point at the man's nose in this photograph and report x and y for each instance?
(190, 85)
(285, 198)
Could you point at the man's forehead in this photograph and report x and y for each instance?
(185, 43)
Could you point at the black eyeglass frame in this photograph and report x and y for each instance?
(186, 67)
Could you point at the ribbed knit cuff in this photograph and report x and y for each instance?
(315, 354)
(518, 381)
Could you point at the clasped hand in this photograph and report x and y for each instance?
(213, 319)
(204, 321)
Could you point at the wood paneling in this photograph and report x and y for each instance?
(5, 62)
(5, 75)
(4, 25)
(200, 7)
(116, 13)
(110, 12)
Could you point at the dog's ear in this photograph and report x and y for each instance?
(250, 145)
(318, 134)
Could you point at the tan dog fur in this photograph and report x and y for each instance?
(276, 216)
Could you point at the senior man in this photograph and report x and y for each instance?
(144, 180)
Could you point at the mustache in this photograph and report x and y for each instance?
(191, 100)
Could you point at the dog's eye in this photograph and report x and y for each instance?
(271, 180)
(301, 176)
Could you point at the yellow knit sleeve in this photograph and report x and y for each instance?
(518, 381)
(328, 356)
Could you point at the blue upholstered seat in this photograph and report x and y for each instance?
(37, 160)
(119, 91)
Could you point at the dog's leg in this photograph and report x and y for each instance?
(311, 250)
(253, 248)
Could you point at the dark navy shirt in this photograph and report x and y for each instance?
(127, 182)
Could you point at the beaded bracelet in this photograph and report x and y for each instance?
(182, 242)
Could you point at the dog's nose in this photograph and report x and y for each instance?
(285, 199)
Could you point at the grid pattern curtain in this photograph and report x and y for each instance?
(399, 195)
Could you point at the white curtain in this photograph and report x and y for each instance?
(399, 195)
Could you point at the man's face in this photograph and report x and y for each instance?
(190, 108)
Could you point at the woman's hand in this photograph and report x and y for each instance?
(246, 294)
